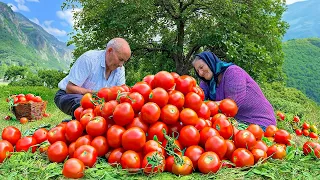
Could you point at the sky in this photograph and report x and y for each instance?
(49, 15)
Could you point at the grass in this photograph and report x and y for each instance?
(37, 166)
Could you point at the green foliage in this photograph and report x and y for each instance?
(247, 33)
(301, 65)
(15, 72)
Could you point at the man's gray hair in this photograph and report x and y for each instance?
(114, 44)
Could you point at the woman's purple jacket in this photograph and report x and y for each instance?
(253, 106)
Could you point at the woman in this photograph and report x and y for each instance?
(220, 80)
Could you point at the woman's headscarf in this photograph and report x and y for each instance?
(216, 66)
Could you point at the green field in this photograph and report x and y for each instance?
(37, 166)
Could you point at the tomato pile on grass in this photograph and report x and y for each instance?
(159, 124)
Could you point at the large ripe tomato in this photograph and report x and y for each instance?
(83, 140)
(130, 160)
(242, 157)
(206, 133)
(193, 101)
(25, 143)
(153, 162)
(114, 90)
(244, 139)
(224, 127)
(133, 139)
(150, 112)
(85, 119)
(56, 134)
(137, 122)
(86, 111)
(101, 145)
(115, 156)
(184, 84)
(216, 144)
(183, 168)
(199, 91)
(159, 96)
(228, 107)
(202, 124)
(152, 145)
(104, 93)
(193, 153)
(259, 155)
(213, 107)
(230, 149)
(189, 135)
(143, 88)
(97, 126)
(204, 111)
(87, 154)
(87, 101)
(73, 168)
(135, 99)
(176, 98)
(108, 108)
(114, 135)
(40, 135)
(282, 137)
(123, 114)
(277, 151)
(73, 130)
(209, 162)
(218, 116)
(270, 131)
(189, 117)
(72, 148)
(149, 80)
(164, 80)
(305, 125)
(78, 112)
(156, 129)
(58, 151)
(29, 97)
(260, 145)
(11, 134)
(256, 130)
(308, 147)
(6, 149)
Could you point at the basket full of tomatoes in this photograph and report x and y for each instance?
(29, 106)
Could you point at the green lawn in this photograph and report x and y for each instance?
(37, 166)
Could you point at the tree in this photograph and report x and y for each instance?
(15, 72)
(246, 32)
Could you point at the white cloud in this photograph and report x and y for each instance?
(293, 1)
(67, 15)
(33, 0)
(54, 31)
(13, 7)
(21, 6)
(35, 20)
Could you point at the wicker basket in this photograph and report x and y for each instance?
(30, 110)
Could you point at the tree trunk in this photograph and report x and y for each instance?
(183, 68)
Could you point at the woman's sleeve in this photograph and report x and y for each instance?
(235, 85)
(204, 86)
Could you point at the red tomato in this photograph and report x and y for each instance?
(152, 145)
(73, 168)
(114, 90)
(280, 116)
(58, 151)
(97, 126)
(108, 109)
(149, 80)
(260, 145)
(156, 129)
(296, 119)
(277, 151)
(153, 167)
(224, 127)
(133, 139)
(164, 80)
(218, 116)
(198, 91)
(137, 122)
(189, 136)
(143, 88)
(244, 139)
(130, 160)
(101, 145)
(104, 93)
(85, 119)
(184, 84)
(135, 99)
(176, 98)
(213, 107)
(72, 148)
(313, 135)
(228, 107)
(5, 150)
(256, 130)
(159, 96)
(298, 132)
(87, 154)
(11, 134)
(25, 143)
(305, 132)
(305, 126)
(201, 124)
(204, 111)
(56, 134)
(29, 97)
(193, 153)
(40, 135)
(115, 156)
(86, 111)
(209, 162)
(230, 149)
(242, 157)
(37, 99)
(189, 117)
(114, 135)
(87, 101)
(150, 112)
(175, 75)
(206, 133)
(23, 120)
(193, 101)
(83, 140)
(282, 137)
(270, 131)
(308, 147)
(183, 168)
(258, 154)
(73, 130)
(123, 114)
(216, 144)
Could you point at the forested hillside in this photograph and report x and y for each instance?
(302, 66)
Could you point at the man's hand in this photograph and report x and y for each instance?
(74, 89)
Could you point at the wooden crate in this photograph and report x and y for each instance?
(30, 110)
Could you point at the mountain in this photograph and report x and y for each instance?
(23, 42)
(302, 66)
(304, 20)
